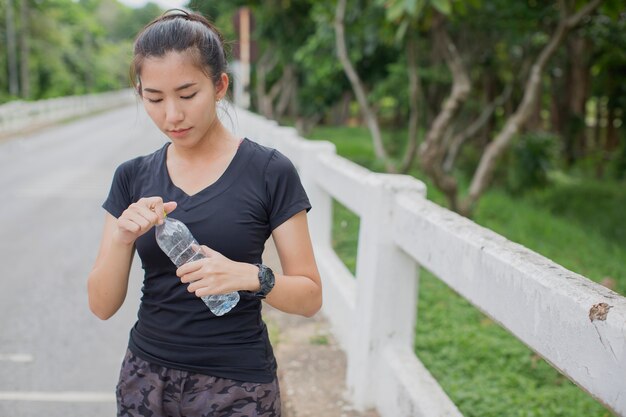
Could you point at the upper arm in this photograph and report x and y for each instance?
(295, 250)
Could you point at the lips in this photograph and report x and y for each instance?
(179, 132)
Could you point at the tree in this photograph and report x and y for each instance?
(11, 49)
(435, 15)
(568, 20)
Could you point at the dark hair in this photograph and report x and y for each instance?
(180, 31)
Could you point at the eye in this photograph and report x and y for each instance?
(154, 100)
(189, 96)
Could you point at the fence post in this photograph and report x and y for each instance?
(386, 277)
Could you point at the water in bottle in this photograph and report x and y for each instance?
(175, 239)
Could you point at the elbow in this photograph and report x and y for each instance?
(97, 308)
(314, 308)
(99, 311)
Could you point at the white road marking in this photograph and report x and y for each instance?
(16, 357)
(59, 396)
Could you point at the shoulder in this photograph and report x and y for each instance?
(271, 160)
(142, 163)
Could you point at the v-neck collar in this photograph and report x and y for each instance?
(228, 177)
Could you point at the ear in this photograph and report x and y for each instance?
(222, 87)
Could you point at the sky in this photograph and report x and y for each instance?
(166, 4)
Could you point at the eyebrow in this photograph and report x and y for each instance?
(182, 87)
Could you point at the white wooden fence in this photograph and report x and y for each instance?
(578, 326)
(17, 116)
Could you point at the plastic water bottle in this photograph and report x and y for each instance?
(175, 239)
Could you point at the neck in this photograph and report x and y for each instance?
(217, 142)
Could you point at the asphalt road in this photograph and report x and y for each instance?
(56, 358)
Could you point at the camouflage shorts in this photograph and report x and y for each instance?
(150, 390)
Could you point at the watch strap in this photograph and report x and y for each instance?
(266, 279)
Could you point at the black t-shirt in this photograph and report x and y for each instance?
(235, 216)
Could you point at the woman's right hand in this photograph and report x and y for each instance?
(140, 217)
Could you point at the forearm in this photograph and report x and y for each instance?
(108, 281)
(295, 294)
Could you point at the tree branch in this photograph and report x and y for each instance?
(470, 131)
(357, 85)
(484, 173)
(432, 150)
(414, 92)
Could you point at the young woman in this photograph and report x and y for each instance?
(232, 193)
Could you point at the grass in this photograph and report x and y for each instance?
(486, 371)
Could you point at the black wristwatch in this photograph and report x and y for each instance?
(266, 279)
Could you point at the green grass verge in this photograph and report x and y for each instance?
(485, 370)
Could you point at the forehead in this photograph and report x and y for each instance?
(171, 70)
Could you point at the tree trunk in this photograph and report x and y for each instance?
(288, 84)
(341, 109)
(304, 125)
(414, 93)
(472, 130)
(11, 49)
(294, 109)
(357, 86)
(484, 173)
(534, 122)
(432, 151)
(24, 50)
(265, 64)
(612, 135)
(578, 86)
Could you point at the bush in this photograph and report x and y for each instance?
(529, 161)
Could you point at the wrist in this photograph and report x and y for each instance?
(120, 241)
(266, 280)
(251, 277)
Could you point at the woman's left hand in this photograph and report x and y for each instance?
(216, 274)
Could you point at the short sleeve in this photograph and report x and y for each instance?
(120, 194)
(286, 194)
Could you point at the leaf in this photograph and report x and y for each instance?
(395, 11)
(402, 30)
(444, 6)
(613, 8)
(411, 6)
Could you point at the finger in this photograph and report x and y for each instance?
(170, 206)
(126, 224)
(208, 252)
(154, 204)
(195, 285)
(138, 219)
(200, 270)
(151, 216)
(188, 268)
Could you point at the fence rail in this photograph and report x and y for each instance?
(17, 116)
(578, 326)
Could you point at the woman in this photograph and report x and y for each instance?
(232, 194)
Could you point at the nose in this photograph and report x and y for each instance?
(173, 113)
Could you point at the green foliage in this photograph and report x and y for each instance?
(529, 161)
(322, 81)
(77, 47)
(345, 235)
(594, 206)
